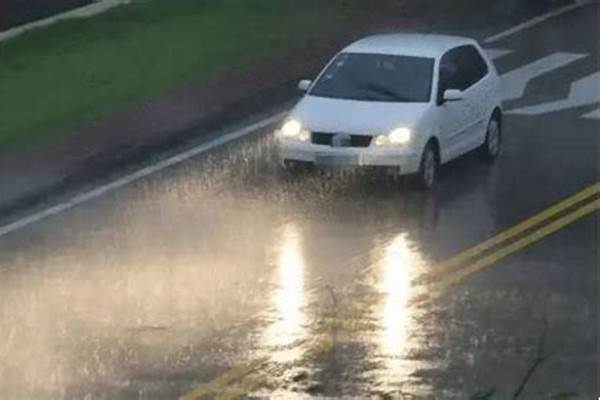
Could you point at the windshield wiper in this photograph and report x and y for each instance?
(380, 90)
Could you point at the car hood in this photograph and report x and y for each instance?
(320, 114)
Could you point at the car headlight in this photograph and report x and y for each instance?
(293, 130)
(397, 137)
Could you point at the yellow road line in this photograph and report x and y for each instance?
(520, 244)
(537, 219)
(214, 387)
(249, 384)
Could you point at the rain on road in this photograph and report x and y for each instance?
(223, 276)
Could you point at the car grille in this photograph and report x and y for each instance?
(326, 139)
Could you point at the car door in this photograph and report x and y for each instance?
(477, 85)
(454, 117)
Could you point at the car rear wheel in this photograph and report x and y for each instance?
(426, 178)
(493, 141)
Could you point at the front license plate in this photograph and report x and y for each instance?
(335, 160)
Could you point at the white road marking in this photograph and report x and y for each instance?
(593, 115)
(585, 91)
(536, 21)
(142, 173)
(495, 54)
(90, 10)
(514, 82)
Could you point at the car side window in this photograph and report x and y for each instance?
(461, 68)
(449, 75)
(472, 65)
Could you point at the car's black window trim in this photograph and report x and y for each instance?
(468, 67)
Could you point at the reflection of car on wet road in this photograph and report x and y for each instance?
(408, 101)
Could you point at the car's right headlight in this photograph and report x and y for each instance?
(293, 130)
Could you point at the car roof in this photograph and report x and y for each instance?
(408, 44)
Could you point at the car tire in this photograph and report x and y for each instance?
(492, 146)
(426, 178)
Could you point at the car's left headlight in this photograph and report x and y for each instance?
(293, 130)
(397, 137)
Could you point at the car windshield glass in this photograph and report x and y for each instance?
(376, 77)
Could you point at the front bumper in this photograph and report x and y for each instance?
(406, 161)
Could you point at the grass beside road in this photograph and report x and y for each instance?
(58, 78)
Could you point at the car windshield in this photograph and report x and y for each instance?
(376, 77)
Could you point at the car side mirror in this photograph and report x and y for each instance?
(452, 95)
(304, 85)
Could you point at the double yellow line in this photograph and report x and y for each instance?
(514, 239)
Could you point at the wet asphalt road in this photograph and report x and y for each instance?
(224, 277)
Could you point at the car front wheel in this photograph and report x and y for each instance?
(428, 171)
(493, 141)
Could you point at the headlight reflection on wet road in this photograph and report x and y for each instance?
(397, 268)
(288, 299)
(400, 263)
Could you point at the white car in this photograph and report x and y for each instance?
(407, 101)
